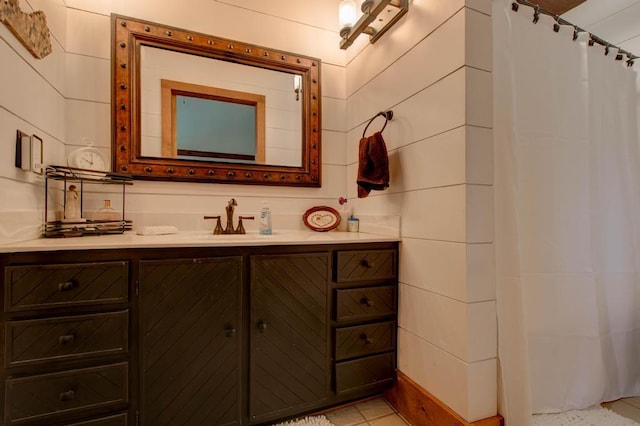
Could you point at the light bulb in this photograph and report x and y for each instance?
(297, 83)
(347, 13)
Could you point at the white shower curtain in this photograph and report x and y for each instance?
(567, 203)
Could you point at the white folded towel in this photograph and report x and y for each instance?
(156, 230)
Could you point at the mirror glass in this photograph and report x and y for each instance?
(196, 107)
(214, 124)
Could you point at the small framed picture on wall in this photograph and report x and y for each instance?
(37, 155)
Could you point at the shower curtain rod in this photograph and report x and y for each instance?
(576, 29)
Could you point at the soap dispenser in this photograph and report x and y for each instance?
(265, 219)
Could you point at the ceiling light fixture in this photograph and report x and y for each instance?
(377, 17)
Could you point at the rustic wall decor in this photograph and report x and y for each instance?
(30, 28)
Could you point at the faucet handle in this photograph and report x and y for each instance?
(240, 228)
(218, 229)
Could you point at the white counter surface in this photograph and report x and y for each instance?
(193, 239)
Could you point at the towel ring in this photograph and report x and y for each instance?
(388, 115)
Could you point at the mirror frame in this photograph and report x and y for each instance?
(129, 34)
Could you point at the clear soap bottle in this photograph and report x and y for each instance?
(107, 212)
(265, 219)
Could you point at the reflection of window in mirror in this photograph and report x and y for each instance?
(195, 116)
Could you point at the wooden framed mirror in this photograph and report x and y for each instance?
(194, 107)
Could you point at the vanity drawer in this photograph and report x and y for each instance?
(365, 265)
(51, 286)
(117, 420)
(65, 338)
(364, 372)
(366, 302)
(364, 339)
(69, 392)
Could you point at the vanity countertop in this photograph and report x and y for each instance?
(193, 239)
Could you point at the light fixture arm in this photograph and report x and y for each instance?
(371, 9)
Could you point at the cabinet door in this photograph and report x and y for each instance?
(190, 317)
(289, 359)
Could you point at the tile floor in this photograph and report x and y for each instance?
(375, 412)
(378, 412)
(626, 407)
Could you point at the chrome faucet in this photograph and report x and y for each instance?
(231, 205)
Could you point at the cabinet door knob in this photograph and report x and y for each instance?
(368, 340)
(230, 331)
(67, 395)
(66, 286)
(367, 302)
(262, 326)
(366, 263)
(66, 339)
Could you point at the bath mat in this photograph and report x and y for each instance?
(308, 421)
(598, 416)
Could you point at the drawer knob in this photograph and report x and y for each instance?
(262, 326)
(66, 286)
(365, 263)
(367, 302)
(368, 340)
(66, 339)
(230, 332)
(67, 395)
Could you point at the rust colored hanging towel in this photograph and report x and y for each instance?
(373, 165)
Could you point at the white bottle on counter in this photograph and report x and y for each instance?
(265, 219)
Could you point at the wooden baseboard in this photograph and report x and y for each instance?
(421, 408)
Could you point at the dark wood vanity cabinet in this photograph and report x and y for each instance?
(190, 321)
(364, 312)
(65, 343)
(289, 334)
(195, 336)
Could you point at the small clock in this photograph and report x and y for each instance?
(88, 158)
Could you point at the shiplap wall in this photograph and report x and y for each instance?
(32, 100)
(434, 71)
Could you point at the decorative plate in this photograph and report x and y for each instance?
(321, 218)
